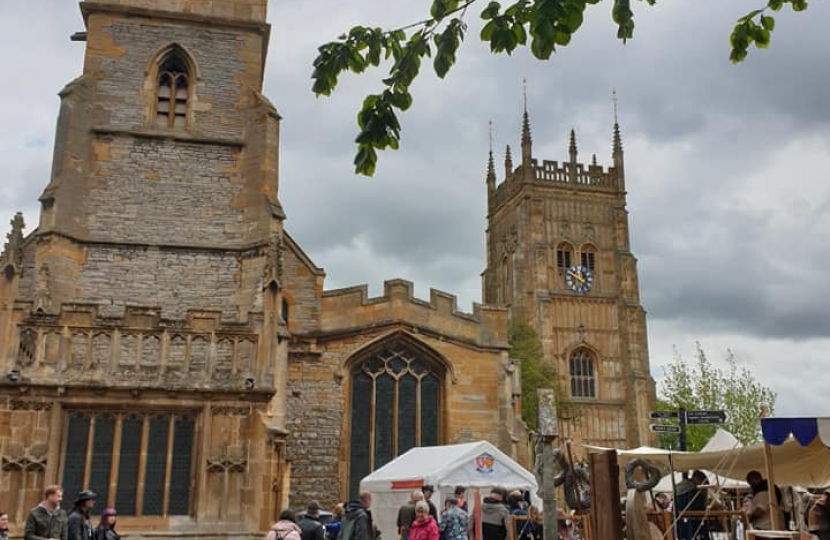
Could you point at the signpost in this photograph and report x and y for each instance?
(706, 417)
(664, 428)
(684, 417)
(655, 415)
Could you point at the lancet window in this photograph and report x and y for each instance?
(173, 89)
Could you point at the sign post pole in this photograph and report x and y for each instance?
(547, 430)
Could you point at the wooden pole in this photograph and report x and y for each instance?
(775, 514)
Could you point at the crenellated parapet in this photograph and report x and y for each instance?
(139, 351)
(352, 307)
(561, 174)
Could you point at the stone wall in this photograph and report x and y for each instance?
(173, 279)
(150, 191)
(226, 68)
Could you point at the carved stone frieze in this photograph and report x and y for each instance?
(28, 405)
(230, 410)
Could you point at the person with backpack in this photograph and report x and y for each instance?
(285, 528)
(310, 524)
(357, 520)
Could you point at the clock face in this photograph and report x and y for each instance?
(579, 279)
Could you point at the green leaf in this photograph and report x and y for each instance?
(776, 5)
(491, 11)
(768, 22)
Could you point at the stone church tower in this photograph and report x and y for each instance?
(167, 344)
(558, 257)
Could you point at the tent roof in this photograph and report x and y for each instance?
(451, 465)
(807, 466)
(777, 430)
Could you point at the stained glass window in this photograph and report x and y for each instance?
(395, 405)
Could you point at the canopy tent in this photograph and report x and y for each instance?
(804, 430)
(473, 465)
(721, 440)
(807, 465)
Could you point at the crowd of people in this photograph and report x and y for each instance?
(417, 519)
(48, 521)
(694, 495)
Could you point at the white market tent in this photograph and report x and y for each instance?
(477, 465)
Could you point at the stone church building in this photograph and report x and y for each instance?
(165, 342)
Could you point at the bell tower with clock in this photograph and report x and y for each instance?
(558, 257)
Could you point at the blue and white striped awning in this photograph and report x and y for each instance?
(805, 430)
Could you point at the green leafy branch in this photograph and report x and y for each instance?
(542, 25)
(756, 28)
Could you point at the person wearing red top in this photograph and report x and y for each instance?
(424, 527)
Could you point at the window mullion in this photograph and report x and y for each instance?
(168, 466)
(396, 414)
(372, 408)
(116, 461)
(89, 452)
(142, 466)
(418, 411)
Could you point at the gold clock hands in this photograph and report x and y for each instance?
(579, 277)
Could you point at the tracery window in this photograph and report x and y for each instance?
(588, 256)
(173, 90)
(139, 463)
(564, 255)
(583, 376)
(396, 398)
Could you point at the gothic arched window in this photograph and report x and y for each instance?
(588, 255)
(395, 404)
(564, 255)
(173, 89)
(583, 374)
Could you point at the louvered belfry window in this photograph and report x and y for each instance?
(173, 92)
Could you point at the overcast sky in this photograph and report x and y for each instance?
(726, 166)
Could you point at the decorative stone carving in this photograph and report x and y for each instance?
(230, 410)
(11, 259)
(26, 405)
(273, 261)
(22, 459)
(43, 294)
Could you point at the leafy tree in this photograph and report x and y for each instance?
(703, 386)
(542, 25)
(536, 373)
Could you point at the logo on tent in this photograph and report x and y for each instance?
(484, 463)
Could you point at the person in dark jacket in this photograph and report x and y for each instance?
(47, 520)
(310, 524)
(495, 517)
(357, 520)
(106, 529)
(79, 525)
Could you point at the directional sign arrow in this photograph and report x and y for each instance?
(664, 428)
(663, 414)
(706, 417)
